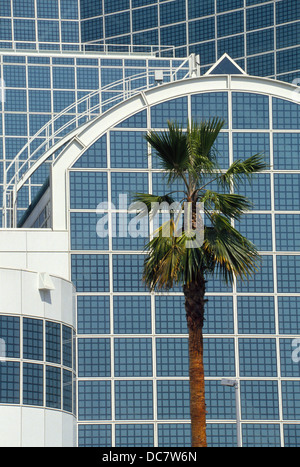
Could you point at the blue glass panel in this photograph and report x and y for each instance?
(261, 436)
(53, 342)
(47, 9)
(38, 76)
(262, 281)
(286, 115)
(84, 233)
(261, 65)
(219, 357)
(5, 29)
(40, 101)
(33, 384)
(5, 8)
(138, 120)
(258, 357)
(63, 78)
(170, 323)
(134, 400)
(67, 391)
(286, 151)
(133, 357)
(127, 273)
(144, 18)
(288, 313)
(128, 184)
(260, 41)
(128, 149)
(172, 357)
(94, 436)
(174, 435)
(93, 358)
(172, 110)
(218, 315)
(173, 400)
(69, 9)
(221, 435)
(256, 315)
(134, 435)
(32, 339)
(173, 35)
(88, 189)
(172, 14)
(286, 11)
(230, 23)
(9, 383)
(258, 229)
(250, 111)
(288, 270)
(10, 334)
(132, 315)
(291, 436)
(117, 24)
(201, 30)
(287, 192)
(67, 339)
(197, 9)
(24, 30)
(93, 315)
(289, 357)
(15, 76)
(91, 29)
(288, 232)
(291, 399)
(209, 105)
(259, 400)
(260, 17)
(248, 144)
(94, 400)
(90, 273)
(286, 36)
(233, 46)
(258, 191)
(220, 401)
(95, 156)
(53, 387)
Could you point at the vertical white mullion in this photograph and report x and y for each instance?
(216, 32)
(154, 369)
(275, 42)
(12, 25)
(234, 287)
(277, 339)
(111, 301)
(28, 125)
(245, 35)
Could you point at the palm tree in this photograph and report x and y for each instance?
(190, 157)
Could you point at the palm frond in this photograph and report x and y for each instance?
(231, 254)
(171, 148)
(241, 169)
(229, 204)
(147, 203)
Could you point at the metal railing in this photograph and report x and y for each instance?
(86, 48)
(63, 126)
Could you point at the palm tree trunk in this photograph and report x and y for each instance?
(194, 305)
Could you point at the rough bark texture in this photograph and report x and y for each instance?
(194, 305)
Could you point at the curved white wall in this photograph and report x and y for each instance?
(21, 295)
(34, 427)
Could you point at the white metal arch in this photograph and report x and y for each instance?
(93, 130)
